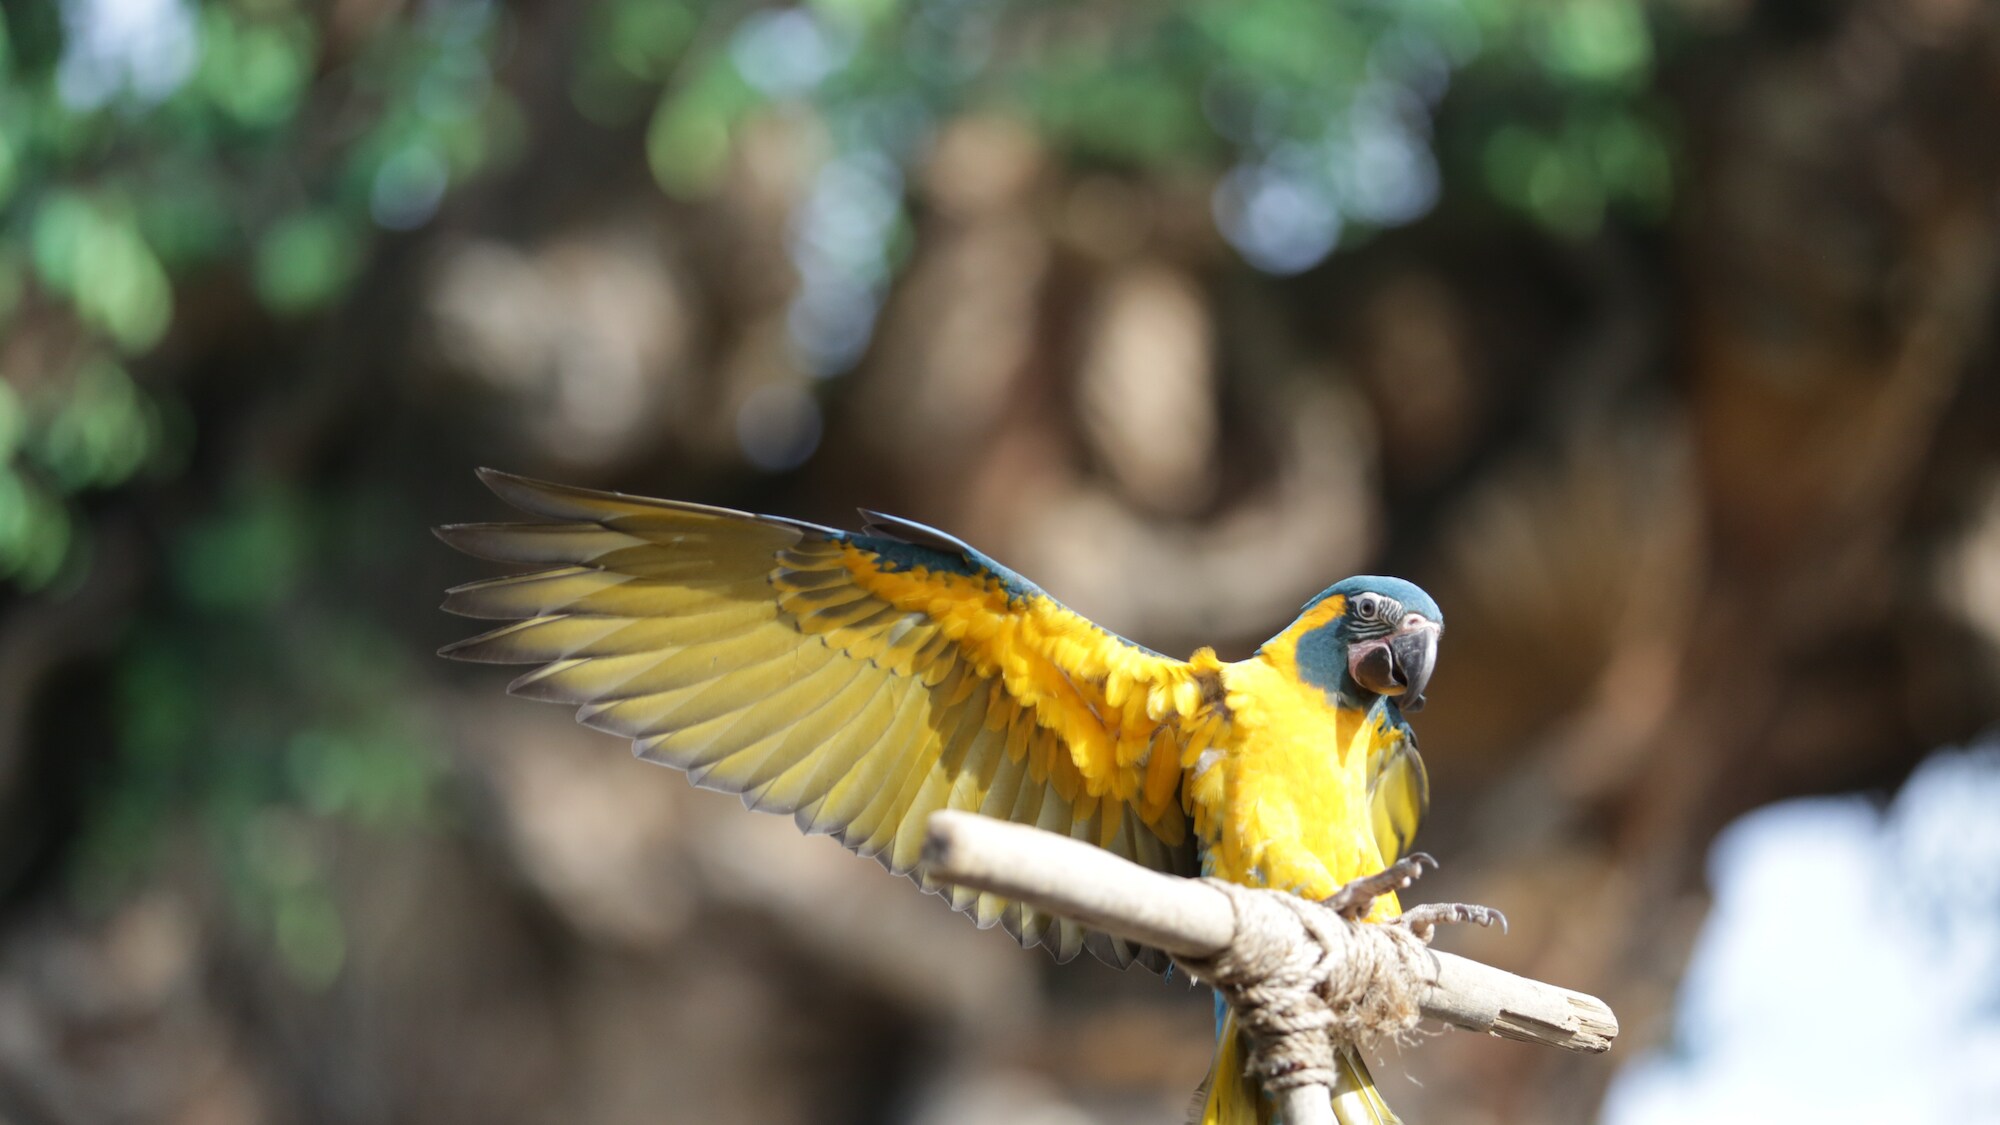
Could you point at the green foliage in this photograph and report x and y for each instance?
(305, 260)
(254, 71)
(628, 48)
(1150, 85)
(201, 143)
(251, 136)
(260, 704)
(1565, 177)
(90, 252)
(97, 430)
(1322, 121)
(259, 144)
(690, 136)
(232, 137)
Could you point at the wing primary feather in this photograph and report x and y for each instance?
(987, 910)
(792, 788)
(568, 502)
(1066, 937)
(648, 712)
(580, 589)
(535, 543)
(586, 681)
(932, 793)
(794, 707)
(756, 766)
(863, 728)
(922, 751)
(513, 595)
(563, 635)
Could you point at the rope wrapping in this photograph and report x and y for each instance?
(1305, 982)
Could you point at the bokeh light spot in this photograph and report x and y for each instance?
(778, 427)
(143, 49)
(408, 188)
(786, 52)
(1280, 221)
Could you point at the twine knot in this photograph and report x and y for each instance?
(1305, 982)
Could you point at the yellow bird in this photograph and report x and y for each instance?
(862, 681)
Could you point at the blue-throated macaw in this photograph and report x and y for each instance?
(862, 681)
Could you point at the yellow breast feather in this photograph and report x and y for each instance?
(1291, 801)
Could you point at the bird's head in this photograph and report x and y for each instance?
(1367, 637)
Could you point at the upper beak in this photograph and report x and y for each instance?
(1399, 664)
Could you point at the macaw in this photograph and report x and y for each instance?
(862, 681)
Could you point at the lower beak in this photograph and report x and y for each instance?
(1399, 664)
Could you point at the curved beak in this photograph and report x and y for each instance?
(1399, 664)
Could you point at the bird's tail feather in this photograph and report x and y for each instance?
(1356, 1101)
(1231, 1097)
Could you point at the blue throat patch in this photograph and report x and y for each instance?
(1322, 657)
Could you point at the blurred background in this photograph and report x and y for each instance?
(1653, 336)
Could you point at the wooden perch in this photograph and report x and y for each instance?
(1192, 920)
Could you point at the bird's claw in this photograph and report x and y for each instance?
(1424, 920)
(1353, 900)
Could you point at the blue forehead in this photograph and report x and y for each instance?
(1410, 594)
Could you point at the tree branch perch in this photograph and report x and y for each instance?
(1194, 921)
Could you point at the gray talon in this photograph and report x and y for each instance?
(1353, 900)
(1424, 920)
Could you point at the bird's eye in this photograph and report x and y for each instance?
(1367, 607)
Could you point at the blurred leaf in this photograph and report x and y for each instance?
(10, 165)
(862, 13)
(305, 260)
(102, 434)
(311, 937)
(689, 139)
(1599, 41)
(186, 222)
(1138, 113)
(642, 37)
(23, 531)
(13, 421)
(249, 557)
(96, 257)
(254, 70)
(381, 780)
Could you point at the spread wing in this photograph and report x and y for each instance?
(1399, 791)
(859, 682)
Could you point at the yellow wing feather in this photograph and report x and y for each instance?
(857, 682)
(1399, 790)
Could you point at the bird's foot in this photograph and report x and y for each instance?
(1353, 900)
(1424, 920)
